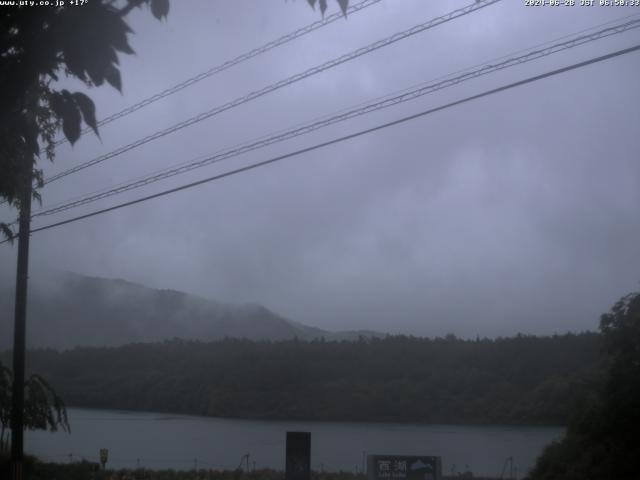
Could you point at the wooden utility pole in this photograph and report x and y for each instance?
(20, 321)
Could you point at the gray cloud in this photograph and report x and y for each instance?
(515, 213)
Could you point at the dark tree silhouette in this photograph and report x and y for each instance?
(37, 46)
(44, 409)
(603, 440)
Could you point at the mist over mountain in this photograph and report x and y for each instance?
(68, 309)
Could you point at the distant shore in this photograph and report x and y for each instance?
(515, 381)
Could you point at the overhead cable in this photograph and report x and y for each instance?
(334, 141)
(343, 116)
(460, 12)
(235, 61)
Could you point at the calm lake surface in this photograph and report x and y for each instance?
(156, 440)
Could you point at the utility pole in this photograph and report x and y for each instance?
(19, 332)
(364, 459)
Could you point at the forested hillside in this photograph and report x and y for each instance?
(524, 379)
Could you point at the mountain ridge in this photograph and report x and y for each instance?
(67, 309)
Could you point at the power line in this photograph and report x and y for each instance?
(478, 4)
(196, 161)
(253, 166)
(345, 115)
(230, 63)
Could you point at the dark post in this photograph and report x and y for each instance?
(19, 332)
(298, 462)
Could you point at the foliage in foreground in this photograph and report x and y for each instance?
(43, 408)
(40, 45)
(603, 439)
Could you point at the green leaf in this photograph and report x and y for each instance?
(70, 118)
(88, 110)
(344, 4)
(36, 196)
(160, 8)
(112, 75)
(7, 232)
(118, 36)
(56, 102)
(323, 6)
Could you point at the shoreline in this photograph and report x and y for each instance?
(181, 415)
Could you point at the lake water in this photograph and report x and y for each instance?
(183, 442)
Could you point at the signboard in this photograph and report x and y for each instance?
(402, 467)
(298, 463)
(104, 456)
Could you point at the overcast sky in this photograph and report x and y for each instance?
(515, 213)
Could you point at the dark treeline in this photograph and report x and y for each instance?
(602, 440)
(524, 379)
